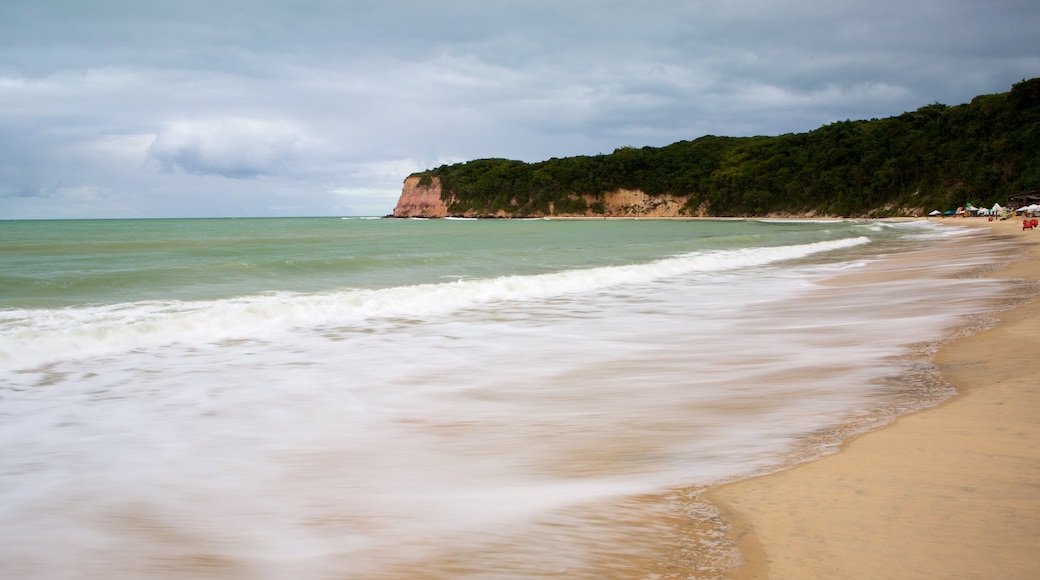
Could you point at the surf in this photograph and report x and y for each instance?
(33, 337)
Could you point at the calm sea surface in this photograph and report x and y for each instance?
(372, 398)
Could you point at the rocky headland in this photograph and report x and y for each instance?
(424, 199)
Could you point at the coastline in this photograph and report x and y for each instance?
(948, 492)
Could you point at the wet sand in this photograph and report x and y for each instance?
(949, 492)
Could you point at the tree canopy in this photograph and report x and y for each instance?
(935, 157)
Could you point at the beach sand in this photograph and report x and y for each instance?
(948, 492)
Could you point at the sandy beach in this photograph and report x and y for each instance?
(949, 492)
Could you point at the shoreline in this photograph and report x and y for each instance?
(952, 491)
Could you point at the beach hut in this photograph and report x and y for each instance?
(1025, 198)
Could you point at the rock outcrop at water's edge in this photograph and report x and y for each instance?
(421, 200)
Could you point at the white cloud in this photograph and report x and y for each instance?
(231, 147)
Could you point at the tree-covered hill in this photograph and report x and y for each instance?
(935, 157)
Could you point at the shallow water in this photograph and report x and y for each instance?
(483, 399)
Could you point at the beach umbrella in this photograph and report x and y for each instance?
(936, 212)
(948, 212)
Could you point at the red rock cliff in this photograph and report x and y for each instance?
(425, 201)
(420, 200)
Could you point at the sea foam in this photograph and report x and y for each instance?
(33, 337)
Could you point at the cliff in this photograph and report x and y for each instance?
(419, 200)
(635, 203)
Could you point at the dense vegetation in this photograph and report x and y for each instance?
(935, 157)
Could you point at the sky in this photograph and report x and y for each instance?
(243, 108)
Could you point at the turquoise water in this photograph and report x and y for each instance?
(64, 263)
(359, 398)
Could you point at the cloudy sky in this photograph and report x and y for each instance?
(120, 108)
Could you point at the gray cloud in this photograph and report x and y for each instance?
(123, 108)
(232, 147)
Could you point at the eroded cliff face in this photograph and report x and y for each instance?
(420, 200)
(635, 203)
(425, 201)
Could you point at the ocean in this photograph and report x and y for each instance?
(387, 398)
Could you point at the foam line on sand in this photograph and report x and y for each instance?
(949, 492)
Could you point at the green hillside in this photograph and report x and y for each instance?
(935, 157)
